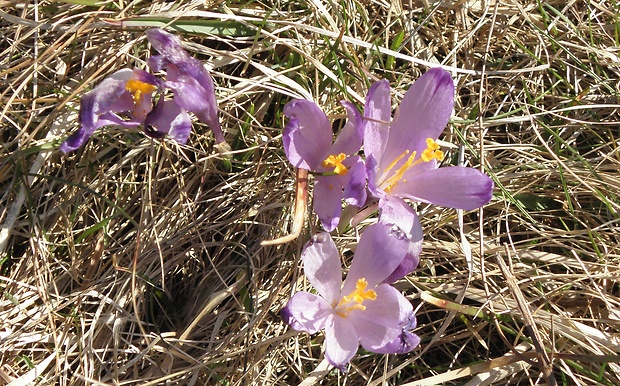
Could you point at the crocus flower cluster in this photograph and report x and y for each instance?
(134, 98)
(400, 165)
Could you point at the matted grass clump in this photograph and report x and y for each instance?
(138, 261)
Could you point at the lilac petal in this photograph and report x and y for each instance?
(396, 211)
(380, 250)
(405, 342)
(423, 113)
(454, 187)
(97, 108)
(79, 138)
(373, 336)
(408, 265)
(109, 96)
(328, 201)
(74, 141)
(377, 114)
(307, 138)
(157, 63)
(341, 341)
(349, 139)
(306, 312)
(388, 309)
(168, 118)
(169, 46)
(355, 187)
(191, 82)
(371, 173)
(322, 266)
(380, 323)
(193, 97)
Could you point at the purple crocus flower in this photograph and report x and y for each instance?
(362, 309)
(339, 173)
(402, 156)
(125, 91)
(186, 76)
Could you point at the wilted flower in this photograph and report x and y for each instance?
(339, 173)
(362, 310)
(125, 98)
(126, 91)
(402, 157)
(187, 77)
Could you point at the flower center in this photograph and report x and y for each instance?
(137, 88)
(335, 161)
(430, 153)
(354, 300)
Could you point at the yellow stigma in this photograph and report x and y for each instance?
(137, 87)
(432, 151)
(356, 297)
(335, 161)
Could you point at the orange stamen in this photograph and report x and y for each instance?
(430, 153)
(137, 88)
(358, 296)
(335, 161)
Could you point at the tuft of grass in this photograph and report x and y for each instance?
(135, 261)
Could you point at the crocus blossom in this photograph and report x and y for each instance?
(126, 97)
(187, 77)
(339, 173)
(362, 309)
(402, 156)
(125, 91)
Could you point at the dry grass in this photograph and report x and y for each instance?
(135, 261)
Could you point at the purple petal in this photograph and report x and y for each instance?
(157, 63)
(322, 266)
(306, 312)
(377, 114)
(380, 250)
(307, 138)
(380, 323)
(97, 108)
(355, 187)
(74, 141)
(109, 96)
(371, 173)
(341, 341)
(388, 309)
(193, 97)
(423, 113)
(168, 45)
(454, 187)
(328, 201)
(349, 139)
(192, 84)
(374, 336)
(406, 341)
(168, 118)
(396, 211)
